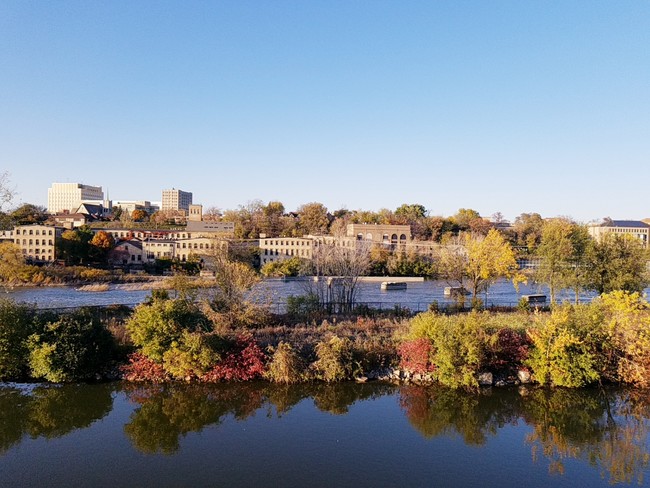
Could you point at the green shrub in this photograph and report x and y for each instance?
(303, 305)
(458, 345)
(16, 325)
(191, 356)
(286, 365)
(74, 347)
(565, 346)
(155, 327)
(335, 360)
(626, 347)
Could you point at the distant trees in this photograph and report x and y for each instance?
(139, 215)
(81, 246)
(617, 262)
(12, 263)
(557, 252)
(29, 214)
(313, 219)
(527, 230)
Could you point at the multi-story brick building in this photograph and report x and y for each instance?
(37, 242)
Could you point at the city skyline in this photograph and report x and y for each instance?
(502, 107)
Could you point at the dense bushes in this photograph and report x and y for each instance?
(55, 347)
(573, 346)
(16, 324)
(76, 346)
(172, 339)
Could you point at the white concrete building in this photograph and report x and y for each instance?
(69, 196)
(635, 228)
(176, 200)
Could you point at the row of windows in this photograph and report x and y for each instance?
(34, 232)
(38, 243)
(33, 252)
(288, 243)
(290, 252)
(194, 245)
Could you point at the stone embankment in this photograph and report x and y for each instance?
(396, 375)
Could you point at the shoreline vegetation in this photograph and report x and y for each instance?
(223, 337)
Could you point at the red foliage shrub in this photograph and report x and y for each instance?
(141, 368)
(509, 351)
(415, 356)
(244, 362)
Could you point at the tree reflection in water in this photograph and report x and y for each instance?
(168, 412)
(50, 411)
(606, 428)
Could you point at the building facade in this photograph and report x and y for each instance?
(176, 200)
(280, 248)
(635, 228)
(37, 242)
(380, 234)
(67, 197)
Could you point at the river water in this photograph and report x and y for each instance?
(319, 435)
(274, 292)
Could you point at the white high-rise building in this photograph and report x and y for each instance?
(69, 196)
(176, 200)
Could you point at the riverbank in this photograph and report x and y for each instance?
(607, 341)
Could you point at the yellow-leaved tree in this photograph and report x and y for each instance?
(488, 259)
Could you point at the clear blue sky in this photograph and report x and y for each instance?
(504, 106)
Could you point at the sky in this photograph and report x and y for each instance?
(498, 106)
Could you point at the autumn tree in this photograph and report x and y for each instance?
(464, 217)
(410, 213)
(139, 215)
(556, 252)
(212, 214)
(12, 263)
(100, 245)
(527, 230)
(618, 262)
(452, 266)
(313, 218)
(229, 302)
(247, 219)
(489, 258)
(29, 214)
(74, 245)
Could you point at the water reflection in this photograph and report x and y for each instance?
(605, 429)
(166, 413)
(50, 411)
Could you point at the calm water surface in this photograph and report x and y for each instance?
(374, 435)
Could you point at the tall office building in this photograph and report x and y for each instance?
(176, 200)
(69, 196)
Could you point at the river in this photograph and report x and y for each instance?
(320, 435)
(274, 292)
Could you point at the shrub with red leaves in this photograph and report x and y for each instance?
(141, 368)
(244, 362)
(415, 356)
(509, 351)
